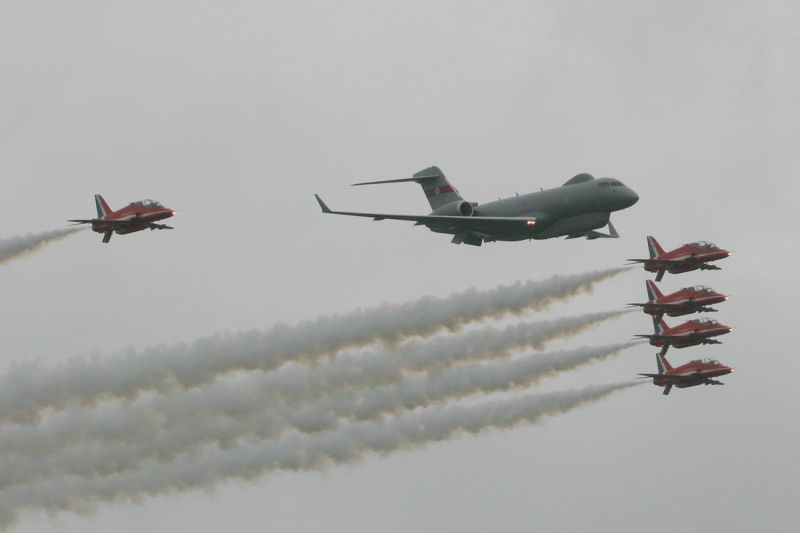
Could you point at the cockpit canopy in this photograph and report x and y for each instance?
(610, 182)
(705, 321)
(706, 361)
(703, 244)
(701, 288)
(580, 178)
(147, 203)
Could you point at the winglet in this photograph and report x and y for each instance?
(325, 208)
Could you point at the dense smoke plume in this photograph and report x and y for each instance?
(29, 388)
(298, 452)
(16, 247)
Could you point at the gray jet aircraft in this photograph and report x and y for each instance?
(577, 208)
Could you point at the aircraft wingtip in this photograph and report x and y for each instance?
(322, 205)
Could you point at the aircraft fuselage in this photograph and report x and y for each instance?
(566, 210)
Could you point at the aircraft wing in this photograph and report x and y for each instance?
(666, 262)
(111, 223)
(672, 338)
(671, 377)
(488, 225)
(658, 307)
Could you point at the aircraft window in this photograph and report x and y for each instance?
(147, 203)
(616, 183)
(604, 185)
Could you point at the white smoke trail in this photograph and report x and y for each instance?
(297, 452)
(29, 388)
(166, 426)
(292, 384)
(16, 247)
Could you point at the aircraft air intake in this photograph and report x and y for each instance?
(454, 209)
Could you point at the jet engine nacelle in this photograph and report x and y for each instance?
(459, 208)
(572, 225)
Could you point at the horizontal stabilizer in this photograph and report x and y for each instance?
(423, 176)
(417, 179)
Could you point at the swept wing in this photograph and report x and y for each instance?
(489, 225)
(121, 223)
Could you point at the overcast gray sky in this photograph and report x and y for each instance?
(235, 114)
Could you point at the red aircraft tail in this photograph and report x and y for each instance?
(659, 325)
(653, 293)
(102, 206)
(663, 364)
(654, 248)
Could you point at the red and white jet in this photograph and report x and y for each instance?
(136, 216)
(692, 256)
(697, 372)
(690, 333)
(683, 302)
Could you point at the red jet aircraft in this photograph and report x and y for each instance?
(692, 256)
(697, 372)
(690, 333)
(683, 302)
(136, 216)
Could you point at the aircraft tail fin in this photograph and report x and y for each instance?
(102, 206)
(659, 325)
(653, 293)
(663, 364)
(654, 248)
(434, 184)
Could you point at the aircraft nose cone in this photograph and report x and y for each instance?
(632, 197)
